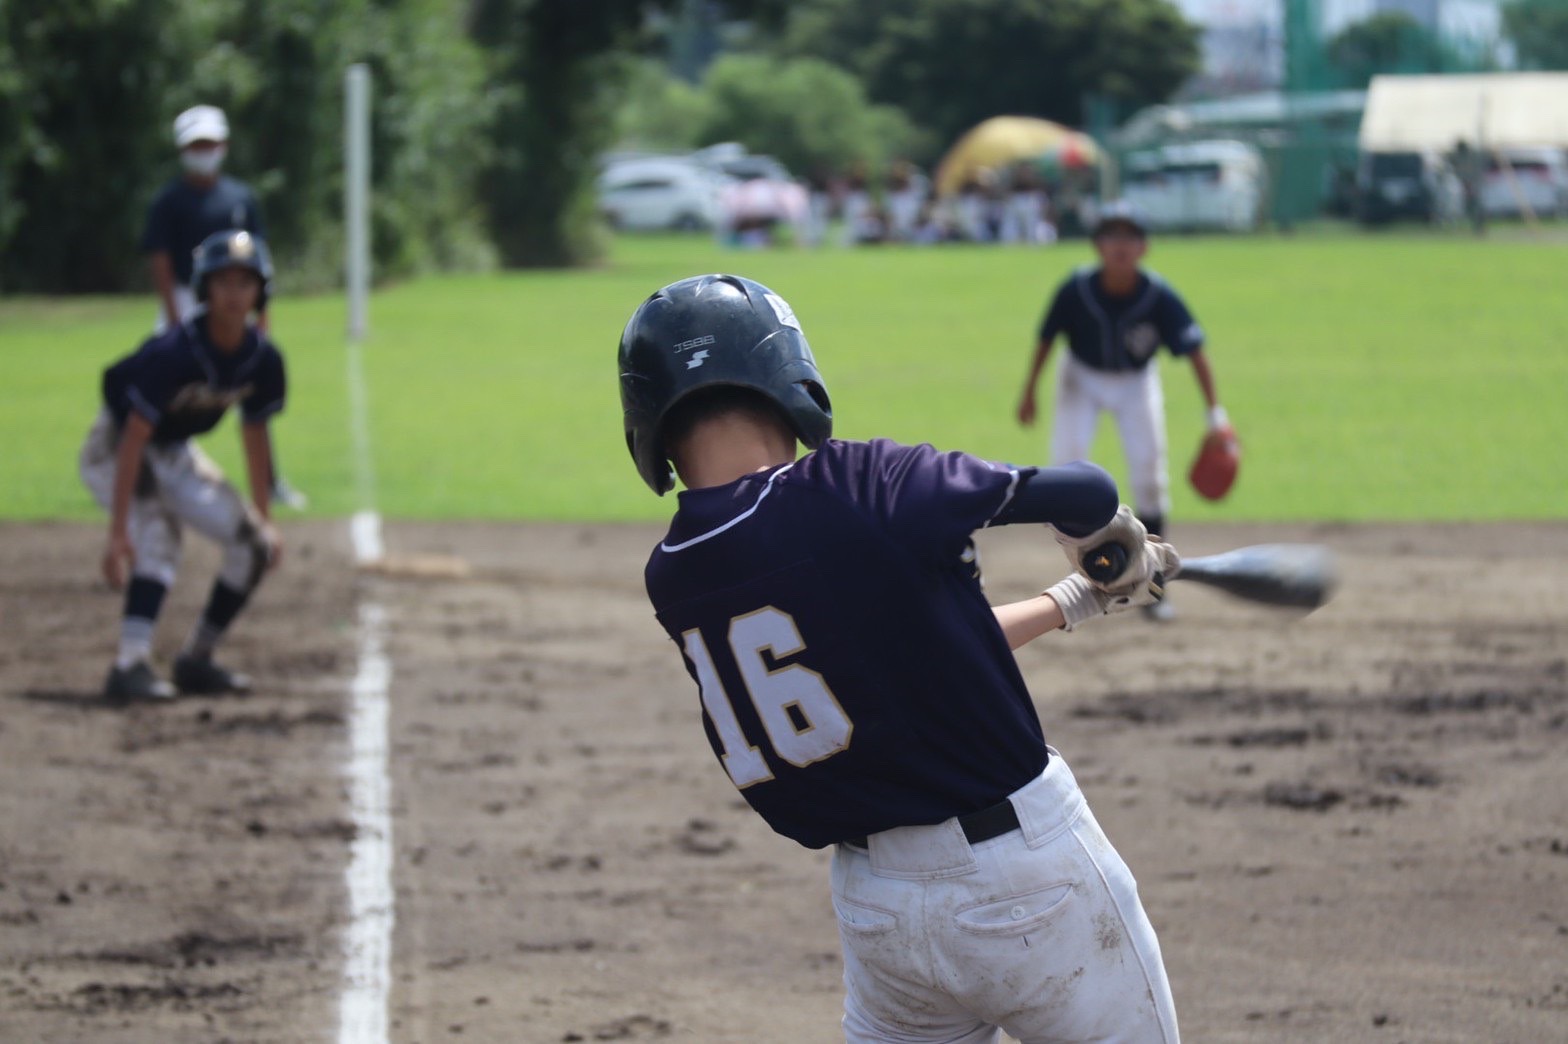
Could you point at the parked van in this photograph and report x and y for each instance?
(1196, 185)
(1539, 180)
(1409, 186)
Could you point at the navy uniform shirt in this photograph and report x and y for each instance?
(852, 673)
(1120, 333)
(183, 385)
(183, 214)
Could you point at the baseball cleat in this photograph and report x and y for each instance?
(287, 496)
(199, 676)
(136, 682)
(1159, 612)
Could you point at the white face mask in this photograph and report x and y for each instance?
(204, 163)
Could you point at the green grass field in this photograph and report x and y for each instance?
(1382, 377)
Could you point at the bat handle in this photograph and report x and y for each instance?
(1104, 563)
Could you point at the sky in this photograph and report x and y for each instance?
(1464, 17)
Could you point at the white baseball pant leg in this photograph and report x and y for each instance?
(1038, 932)
(1137, 401)
(184, 300)
(180, 486)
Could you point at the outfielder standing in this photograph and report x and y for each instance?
(142, 468)
(1116, 317)
(862, 693)
(200, 202)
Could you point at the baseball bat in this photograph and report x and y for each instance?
(1298, 576)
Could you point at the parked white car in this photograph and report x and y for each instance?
(658, 193)
(1197, 185)
(1537, 178)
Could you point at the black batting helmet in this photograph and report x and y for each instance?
(708, 331)
(233, 248)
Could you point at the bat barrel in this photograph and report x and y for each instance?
(1301, 576)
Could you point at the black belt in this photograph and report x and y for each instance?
(1001, 818)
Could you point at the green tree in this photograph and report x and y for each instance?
(659, 111)
(1390, 42)
(89, 88)
(1538, 29)
(555, 79)
(957, 62)
(81, 90)
(807, 113)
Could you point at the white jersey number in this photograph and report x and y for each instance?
(802, 717)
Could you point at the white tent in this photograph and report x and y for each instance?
(1488, 110)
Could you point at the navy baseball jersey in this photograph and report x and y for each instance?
(183, 214)
(183, 385)
(853, 676)
(1120, 333)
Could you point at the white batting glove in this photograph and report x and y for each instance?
(1123, 529)
(1081, 599)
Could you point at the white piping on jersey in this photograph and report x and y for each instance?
(1108, 328)
(766, 489)
(1007, 498)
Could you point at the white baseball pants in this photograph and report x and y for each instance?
(1137, 401)
(184, 300)
(1038, 932)
(180, 485)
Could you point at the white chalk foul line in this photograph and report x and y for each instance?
(367, 940)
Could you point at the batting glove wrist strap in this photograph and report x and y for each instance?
(1078, 600)
(1219, 420)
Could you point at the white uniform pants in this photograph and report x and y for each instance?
(184, 300)
(1137, 401)
(180, 485)
(1039, 932)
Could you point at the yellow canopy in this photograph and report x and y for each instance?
(1004, 140)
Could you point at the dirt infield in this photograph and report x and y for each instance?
(1348, 827)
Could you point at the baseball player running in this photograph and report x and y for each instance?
(200, 202)
(1116, 317)
(141, 466)
(861, 692)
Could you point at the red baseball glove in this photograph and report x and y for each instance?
(1213, 471)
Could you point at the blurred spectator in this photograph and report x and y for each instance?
(856, 204)
(903, 195)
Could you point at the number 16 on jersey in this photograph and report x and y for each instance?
(798, 710)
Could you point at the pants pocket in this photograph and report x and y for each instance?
(861, 920)
(1016, 914)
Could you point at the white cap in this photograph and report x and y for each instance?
(202, 123)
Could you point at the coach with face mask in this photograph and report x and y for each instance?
(192, 207)
(200, 202)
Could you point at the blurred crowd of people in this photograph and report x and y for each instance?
(1014, 204)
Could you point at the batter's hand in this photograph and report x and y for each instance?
(1123, 529)
(118, 558)
(1143, 583)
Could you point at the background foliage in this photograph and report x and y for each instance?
(491, 115)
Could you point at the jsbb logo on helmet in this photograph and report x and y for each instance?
(695, 342)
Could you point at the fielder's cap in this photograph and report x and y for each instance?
(201, 123)
(1120, 212)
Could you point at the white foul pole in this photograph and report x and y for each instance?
(356, 196)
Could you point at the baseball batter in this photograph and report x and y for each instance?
(141, 466)
(861, 692)
(1116, 317)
